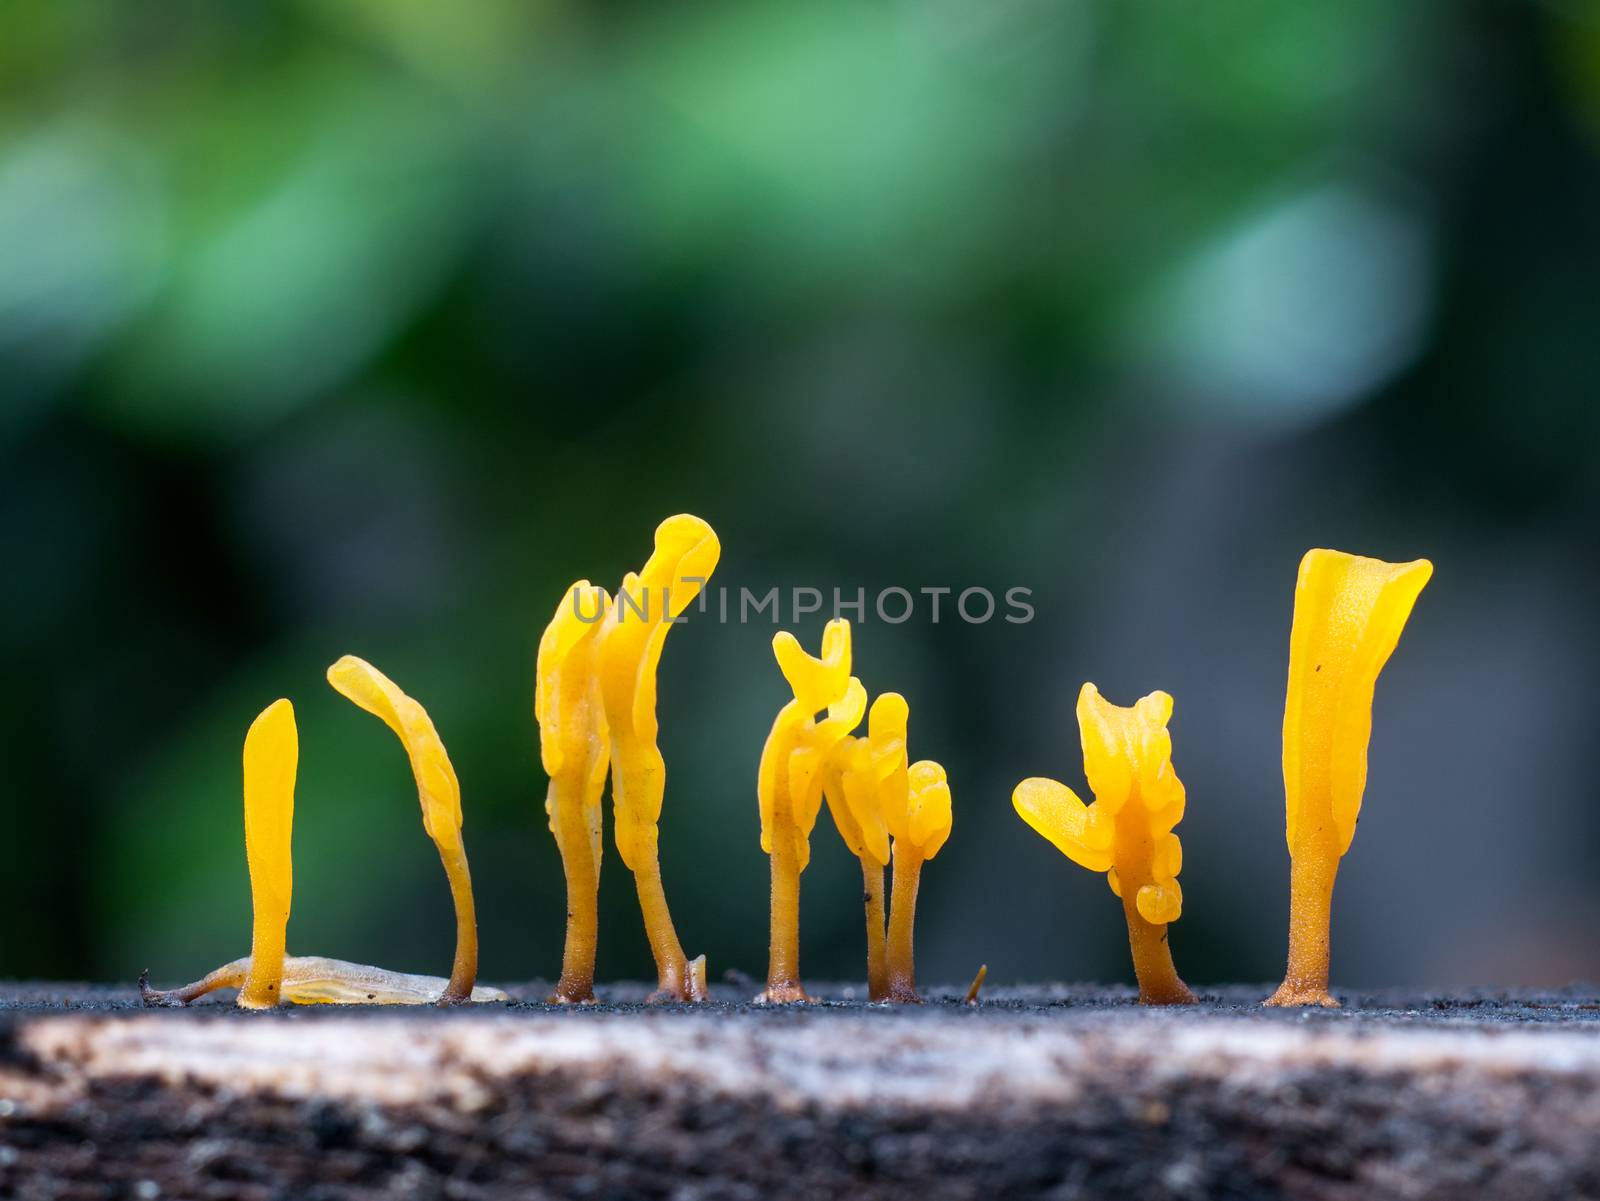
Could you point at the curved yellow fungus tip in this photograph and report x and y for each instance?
(796, 767)
(916, 805)
(1348, 614)
(437, 789)
(646, 607)
(1127, 831)
(271, 758)
(928, 815)
(574, 743)
(815, 682)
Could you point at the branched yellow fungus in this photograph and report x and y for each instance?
(1348, 614)
(635, 631)
(1127, 831)
(920, 824)
(440, 795)
(575, 746)
(271, 758)
(790, 782)
(854, 775)
(271, 755)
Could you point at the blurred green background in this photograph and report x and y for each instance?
(368, 325)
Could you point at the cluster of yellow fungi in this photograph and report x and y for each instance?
(271, 759)
(873, 794)
(595, 702)
(595, 705)
(1348, 614)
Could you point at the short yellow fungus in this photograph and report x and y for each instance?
(437, 790)
(268, 977)
(1348, 615)
(789, 784)
(646, 608)
(920, 824)
(574, 743)
(1127, 831)
(271, 759)
(853, 778)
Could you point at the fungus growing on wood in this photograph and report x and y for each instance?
(920, 825)
(852, 782)
(575, 746)
(271, 759)
(440, 795)
(1348, 614)
(267, 976)
(647, 606)
(1127, 831)
(789, 784)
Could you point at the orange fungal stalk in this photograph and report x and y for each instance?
(1348, 615)
(789, 784)
(1127, 831)
(855, 774)
(919, 819)
(646, 608)
(437, 790)
(574, 743)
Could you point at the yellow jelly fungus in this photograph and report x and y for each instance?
(271, 757)
(574, 744)
(647, 606)
(1348, 614)
(440, 795)
(1127, 831)
(920, 823)
(855, 776)
(886, 740)
(790, 782)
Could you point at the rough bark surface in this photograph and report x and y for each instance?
(1060, 1092)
